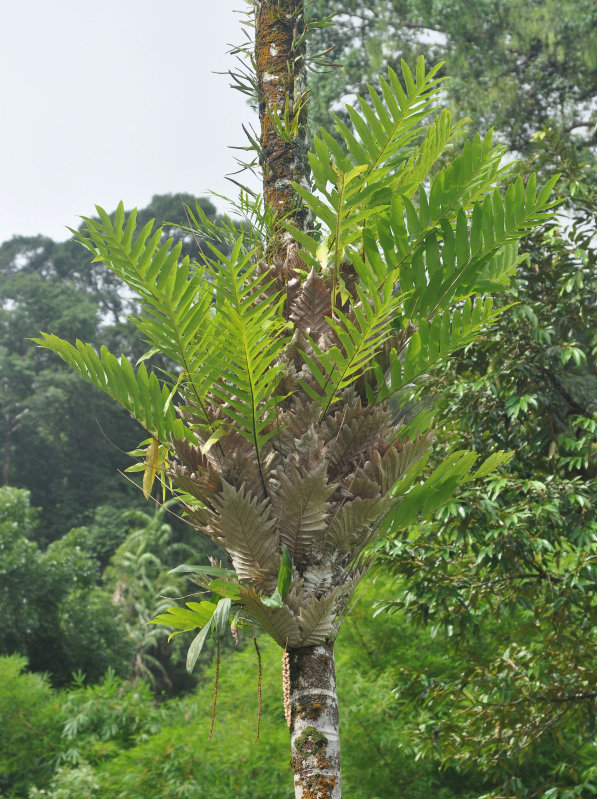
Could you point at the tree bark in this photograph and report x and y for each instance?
(280, 50)
(314, 731)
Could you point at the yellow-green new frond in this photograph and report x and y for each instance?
(442, 264)
(419, 500)
(361, 335)
(356, 182)
(248, 338)
(176, 297)
(384, 130)
(141, 394)
(432, 341)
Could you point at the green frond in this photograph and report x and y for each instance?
(425, 497)
(248, 330)
(175, 296)
(383, 131)
(194, 615)
(440, 133)
(458, 257)
(446, 333)
(141, 394)
(467, 179)
(361, 335)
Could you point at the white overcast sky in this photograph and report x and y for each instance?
(113, 100)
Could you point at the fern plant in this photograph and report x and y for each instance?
(283, 421)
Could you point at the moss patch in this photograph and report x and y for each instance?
(310, 742)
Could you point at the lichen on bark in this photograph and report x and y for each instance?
(315, 741)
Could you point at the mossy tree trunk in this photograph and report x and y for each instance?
(314, 733)
(281, 70)
(280, 52)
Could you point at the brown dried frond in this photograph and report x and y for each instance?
(280, 623)
(353, 433)
(387, 469)
(318, 579)
(298, 443)
(199, 516)
(316, 618)
(202, 483)
(292, 262)
(352, 523)
(291, 354)
(301, 505)
(313, 304)
(293, 287)
(245, 529)
(361, 487)
(189, 454)
(235, 459)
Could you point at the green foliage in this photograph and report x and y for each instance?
(513, 66)
(249, 331)
(19, 565)
(88, 630)
(61, 623)
(70, 470)
(116, 742)
(520, 549)
(69, 782)
(100, 721)
(30, 728)
(508, 710)
(178, 761)
(140, 581)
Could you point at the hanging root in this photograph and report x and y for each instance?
(286, 685)
(213, 709)
(259, 675)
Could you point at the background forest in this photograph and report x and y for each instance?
(475, 675)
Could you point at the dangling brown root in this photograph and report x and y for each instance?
(286, 686)
(213, 709)
(259, 676)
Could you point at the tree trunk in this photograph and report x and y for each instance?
(280, 50)
(314, 734)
